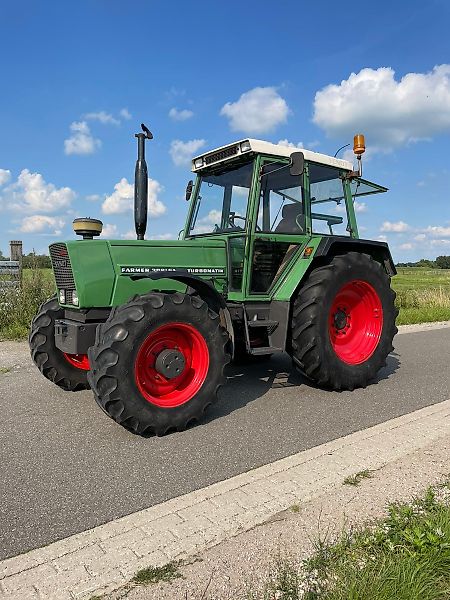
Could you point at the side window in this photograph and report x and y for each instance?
(328, 208)
(281, 208)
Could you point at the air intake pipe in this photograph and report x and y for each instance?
(141, 184)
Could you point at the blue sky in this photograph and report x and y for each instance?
(77, 78)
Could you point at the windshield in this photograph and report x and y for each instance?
(221, 203)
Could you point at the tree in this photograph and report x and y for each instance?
(443, 262)
(36, 261)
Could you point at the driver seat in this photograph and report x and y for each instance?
(291, 216)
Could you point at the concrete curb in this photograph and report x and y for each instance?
(423, 327)
(102, 559)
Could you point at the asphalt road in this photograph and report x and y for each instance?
(67, 467)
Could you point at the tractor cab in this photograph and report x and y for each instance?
(269, 202)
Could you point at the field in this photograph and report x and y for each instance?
(423, 295)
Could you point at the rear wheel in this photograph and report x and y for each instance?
(158, 362)
(68, 371)
(343, 322)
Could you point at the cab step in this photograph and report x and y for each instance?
(263, 323)
(264, 350)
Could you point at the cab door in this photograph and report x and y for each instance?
(281, 227)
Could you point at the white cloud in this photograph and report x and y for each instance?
(131, 235)
(213, 217)
(108, 230)
(398, 227)
(31, 193)
(439, 243)
(103, 117)
(122, 199)
(257, 111)
(406, 246)
(420, 237)
(180, 115)
(437, 231)
(42, 224)
(162, 236)
(390, 112)
(290, 144)
(81, 141)
(93, 197)
(5, 176)
(360, 207)
(182, 152)
(382, 238)
(125, 114)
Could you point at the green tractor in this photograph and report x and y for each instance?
(269, 261)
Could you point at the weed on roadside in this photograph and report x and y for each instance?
(295, 508)
(166, 573)
(19, 305)
(358, 477)
(4, 370)
(405, 556)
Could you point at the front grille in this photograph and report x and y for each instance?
(226, 153)
(62, 267)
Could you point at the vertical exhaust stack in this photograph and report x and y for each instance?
(141, 184)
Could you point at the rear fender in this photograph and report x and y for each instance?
(379, 251)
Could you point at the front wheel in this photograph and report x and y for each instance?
(68, 371)
(158, 362)
(343, 322)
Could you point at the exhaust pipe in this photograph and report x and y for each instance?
(141, 184)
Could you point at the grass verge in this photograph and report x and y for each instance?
(19, 305)
(405, 556)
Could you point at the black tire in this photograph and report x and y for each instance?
(113, 359)
(312, 349)
(48, 358)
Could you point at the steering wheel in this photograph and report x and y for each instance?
(232, 217)
(299, 225)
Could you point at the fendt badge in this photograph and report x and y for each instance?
(130, 270)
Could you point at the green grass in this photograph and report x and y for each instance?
(150, 575)
(358, 477)
(423, 295)
(405, 556)
(19, 305)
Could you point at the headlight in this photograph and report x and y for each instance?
(245, 146)
(198, 163)
(75, 300)
(62, 296)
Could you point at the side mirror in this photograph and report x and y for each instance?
(297, 164)
(189, 187)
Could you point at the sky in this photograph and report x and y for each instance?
(78, 77)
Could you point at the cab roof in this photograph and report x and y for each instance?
(249, 146)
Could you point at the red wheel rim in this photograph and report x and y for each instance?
(169, 393)
(80, 361)
(355, 322)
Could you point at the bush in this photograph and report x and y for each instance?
(19, 305)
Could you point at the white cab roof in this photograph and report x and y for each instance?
(246, 146)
